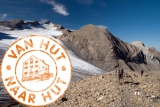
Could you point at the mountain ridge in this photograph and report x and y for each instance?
(98, 46)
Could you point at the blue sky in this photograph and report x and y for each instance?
(129, 20)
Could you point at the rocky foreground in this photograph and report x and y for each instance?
(105, 91)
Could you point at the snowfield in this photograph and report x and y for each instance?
(45, 29)
(80, 67)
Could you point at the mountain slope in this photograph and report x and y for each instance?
(99, 47)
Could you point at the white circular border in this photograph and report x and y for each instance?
(64, 75)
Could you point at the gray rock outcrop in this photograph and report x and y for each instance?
(33, 23)
(61, 28)
(18, 24)
(151, 54)
(12, 24)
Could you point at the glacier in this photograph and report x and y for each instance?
(80, 67)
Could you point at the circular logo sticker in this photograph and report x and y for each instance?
(36, 70)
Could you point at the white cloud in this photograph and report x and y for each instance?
(59, 8)
(3, 16)
(103, 26)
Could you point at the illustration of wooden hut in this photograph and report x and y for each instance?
(35, 68)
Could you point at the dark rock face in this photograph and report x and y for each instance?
(17, 24)
(61, 28)
(34, 23)
(47, 22)
(155, 53)
(99, 47)
(12, 24)
(151, 54)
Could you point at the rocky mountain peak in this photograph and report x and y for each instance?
(92, 33)
(138, 43)
(141, 46)
(18, 24)
(151, 54)
(89, 26)
(92, 27)
(17, 21)
(33, 23)
(47, 22)
(102, 49)
(59, 27)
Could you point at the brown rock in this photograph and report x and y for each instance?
(99, 47)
